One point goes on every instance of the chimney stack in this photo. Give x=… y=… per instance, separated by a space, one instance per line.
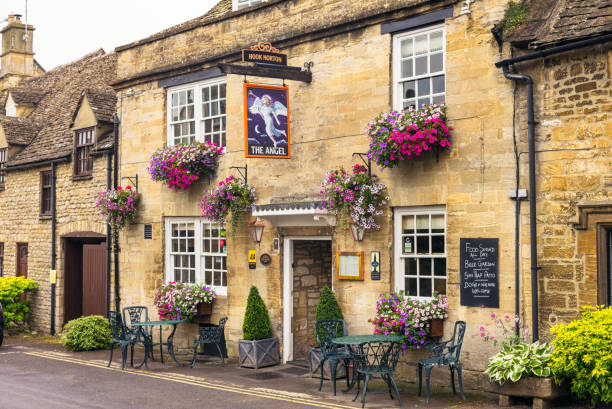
x=17 y=57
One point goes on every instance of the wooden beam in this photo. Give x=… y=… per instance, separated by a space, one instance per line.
x=287 y=73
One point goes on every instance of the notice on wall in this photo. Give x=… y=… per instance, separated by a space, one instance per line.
x=479 y=271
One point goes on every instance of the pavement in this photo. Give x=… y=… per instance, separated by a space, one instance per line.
x=40 y=374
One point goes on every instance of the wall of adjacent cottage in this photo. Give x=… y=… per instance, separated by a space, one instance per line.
x=351 y=84
x=20 y=222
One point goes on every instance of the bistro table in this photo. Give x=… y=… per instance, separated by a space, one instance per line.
x=169 y=342
x=350 y=341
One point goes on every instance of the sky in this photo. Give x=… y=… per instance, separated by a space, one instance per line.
x=65 y=30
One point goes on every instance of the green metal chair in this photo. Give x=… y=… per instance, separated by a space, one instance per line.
x=135 y=314
x=326 y=330
x=444 y=353
x=376 y=358
x=121 y=337
x=210 y=335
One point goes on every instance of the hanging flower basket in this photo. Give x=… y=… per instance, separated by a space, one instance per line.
x=181 y=301
x=181 y=165
x=230 y=196
x=396 y=136
x=359 y=197
x=118 y=206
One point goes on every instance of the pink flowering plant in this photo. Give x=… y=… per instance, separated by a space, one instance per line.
x=118 y=206
x=399 y=135
x=409 y=317
x=503 y=330
x=179 y=301
x=358 y=196
x=230 y=196
x=181 y=165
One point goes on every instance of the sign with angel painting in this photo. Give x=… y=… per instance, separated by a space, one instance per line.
x=266 y=121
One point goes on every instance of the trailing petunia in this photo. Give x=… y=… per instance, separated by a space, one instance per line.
x=179 y=301
x=181 y=165
x=118 y=206
x=401 y=135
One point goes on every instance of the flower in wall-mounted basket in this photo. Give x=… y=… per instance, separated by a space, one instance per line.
x=357 y=196
x=402 y=135
x=118 y=206
x=179 y=301
x=181 y=165
x=230 y=196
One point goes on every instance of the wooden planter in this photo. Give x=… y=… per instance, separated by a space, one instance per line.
x=436 y=328
x=542 y=390
x=259 y=353
x=315 y=356
x=205 y=308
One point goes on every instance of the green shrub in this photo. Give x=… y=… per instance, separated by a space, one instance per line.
x=87 y=333
x=583 y=355
x=328 y=308
x=16 y=310
x=256 y=323
x=519 y=360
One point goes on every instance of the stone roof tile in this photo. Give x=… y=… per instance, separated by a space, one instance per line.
x=26 y=95
x=19 y=131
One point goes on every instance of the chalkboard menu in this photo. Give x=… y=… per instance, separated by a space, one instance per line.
x=479 y=272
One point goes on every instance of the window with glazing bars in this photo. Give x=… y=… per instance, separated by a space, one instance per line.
x=83 y=162
x=45 y=192
x=2 y=167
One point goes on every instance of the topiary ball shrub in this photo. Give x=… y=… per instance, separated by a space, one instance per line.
x=328 y=308
x=87 y=334
x=256 y=323
x=582 y=355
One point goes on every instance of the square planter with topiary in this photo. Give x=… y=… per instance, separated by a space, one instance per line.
x=259 y=348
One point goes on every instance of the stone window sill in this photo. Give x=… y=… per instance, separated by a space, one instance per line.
x=82 y=177
x=45 y=217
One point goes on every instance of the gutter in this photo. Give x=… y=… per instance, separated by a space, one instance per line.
x=39 y=164
x=505 y=65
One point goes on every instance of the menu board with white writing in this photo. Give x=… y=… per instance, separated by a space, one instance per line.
x=479 y=272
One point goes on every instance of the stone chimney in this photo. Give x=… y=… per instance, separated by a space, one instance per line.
x=17 y=57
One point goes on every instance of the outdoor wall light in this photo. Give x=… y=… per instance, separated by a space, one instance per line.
x=256 y=228
x=357 y=231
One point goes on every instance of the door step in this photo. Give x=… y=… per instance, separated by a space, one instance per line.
x=302 y=363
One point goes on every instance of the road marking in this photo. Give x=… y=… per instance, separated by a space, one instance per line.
x=189 y=380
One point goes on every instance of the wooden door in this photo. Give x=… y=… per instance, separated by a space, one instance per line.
x=22 y=259
x=94 y=279
x=73 y=279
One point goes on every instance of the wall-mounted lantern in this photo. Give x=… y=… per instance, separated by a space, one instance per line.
x=357 y=231
x=256 y=228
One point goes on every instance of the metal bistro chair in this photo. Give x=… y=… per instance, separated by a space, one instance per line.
x=445 y=353
x=139 y=314
x=210 y=335
x=376 y=358
x=121 y=337
x=327 y=330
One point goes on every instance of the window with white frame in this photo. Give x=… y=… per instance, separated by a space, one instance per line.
x=420 y=251
x=240 y=4
x=196 y=252
x=419 y=68
x=196 y=112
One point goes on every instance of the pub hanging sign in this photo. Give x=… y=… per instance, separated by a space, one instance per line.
x=264 y=53
x=266 y=121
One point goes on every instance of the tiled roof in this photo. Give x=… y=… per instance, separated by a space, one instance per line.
x=102 y=102
x=65 y=86
x=26 y=95
x=105 y=142
x=553 y=22
x=19 y=131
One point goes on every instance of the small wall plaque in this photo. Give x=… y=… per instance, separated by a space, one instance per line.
x=265 y=259
x=252 y=259
x=349 y=265
x=375 y=263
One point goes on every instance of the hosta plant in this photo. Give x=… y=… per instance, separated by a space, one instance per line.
x=516 y=361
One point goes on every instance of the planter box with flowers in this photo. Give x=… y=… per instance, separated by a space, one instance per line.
x=181 y=301
x=230 y=196
x=118 y=207
x=181 y=165
x=403 y=135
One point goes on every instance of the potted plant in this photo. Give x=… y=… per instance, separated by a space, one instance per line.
x=118 y=206
x=180 y=301
x=403 y=135
x=259 y=348
x=230 y=196
x=327 y=308
x=181 y=165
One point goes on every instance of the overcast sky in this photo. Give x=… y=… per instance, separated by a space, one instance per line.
x=69 y=29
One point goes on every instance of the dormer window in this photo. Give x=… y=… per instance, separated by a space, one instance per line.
x=83 y=162
x=240 y=4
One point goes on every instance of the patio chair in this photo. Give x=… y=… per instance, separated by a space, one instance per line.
x=445 y=353
x=121 y=337
x=326 y=330
x=210 y=335
x=376 y=358
x=139 y=314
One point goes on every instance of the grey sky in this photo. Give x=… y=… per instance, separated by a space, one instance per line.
x=69 y=29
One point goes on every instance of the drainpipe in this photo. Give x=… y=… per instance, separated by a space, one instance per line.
x=53 y=254
x=115 y=184
x=109 y=186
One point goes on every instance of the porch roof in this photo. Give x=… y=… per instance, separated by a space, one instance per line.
x=295 y=214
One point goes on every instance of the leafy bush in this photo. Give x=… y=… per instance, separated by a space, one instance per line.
x=16 y=307
x=583 y=355
x=87 y=333
x=519 y=360
x=328 y=308
x=256 y=323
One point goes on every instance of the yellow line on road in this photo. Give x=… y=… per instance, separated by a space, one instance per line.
x=194 y=382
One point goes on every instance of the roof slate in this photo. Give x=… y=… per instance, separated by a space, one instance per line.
x=65 y=86
x=103 y=102
x=19 y=131
x=26 y=95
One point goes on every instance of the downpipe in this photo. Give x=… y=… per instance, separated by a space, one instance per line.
x=115 y=184
x=53 y=244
